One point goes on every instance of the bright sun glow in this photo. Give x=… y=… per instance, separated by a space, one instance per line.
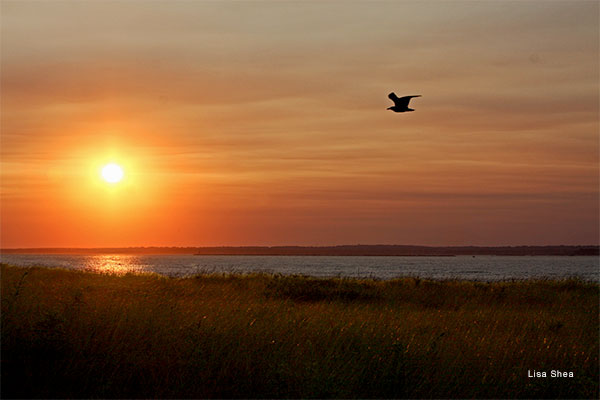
x=112 y=173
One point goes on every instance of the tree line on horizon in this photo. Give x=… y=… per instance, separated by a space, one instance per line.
x=341 y=250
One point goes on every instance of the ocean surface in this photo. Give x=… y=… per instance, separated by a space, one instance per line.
x=480 y=268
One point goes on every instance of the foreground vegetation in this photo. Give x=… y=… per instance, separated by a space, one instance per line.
x=74 y=334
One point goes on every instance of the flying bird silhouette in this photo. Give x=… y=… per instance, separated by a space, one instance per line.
x=400 y=103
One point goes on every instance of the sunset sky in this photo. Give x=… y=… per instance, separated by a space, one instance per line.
x=265 y=123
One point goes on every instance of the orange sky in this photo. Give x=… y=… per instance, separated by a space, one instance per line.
x=265 y=123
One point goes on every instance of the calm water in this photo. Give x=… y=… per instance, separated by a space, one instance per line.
x=483 y=268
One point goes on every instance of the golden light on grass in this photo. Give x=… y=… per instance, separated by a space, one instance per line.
x=282 y=336
x=112 y=173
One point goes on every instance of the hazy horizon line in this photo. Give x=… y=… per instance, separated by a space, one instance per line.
x=293 y=245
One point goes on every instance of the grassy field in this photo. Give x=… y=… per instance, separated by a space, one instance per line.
x=74 y=334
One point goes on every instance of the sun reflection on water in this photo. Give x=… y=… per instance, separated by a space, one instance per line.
x=115 y=264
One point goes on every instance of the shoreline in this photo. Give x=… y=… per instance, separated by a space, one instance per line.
x=275 y=275
x=329 y=251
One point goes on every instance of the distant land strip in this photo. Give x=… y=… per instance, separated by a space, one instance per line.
x=343 y=250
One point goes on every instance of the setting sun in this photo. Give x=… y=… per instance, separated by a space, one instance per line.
x=112 y=173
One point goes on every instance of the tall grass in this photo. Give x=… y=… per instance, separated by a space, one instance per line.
x=74 y=334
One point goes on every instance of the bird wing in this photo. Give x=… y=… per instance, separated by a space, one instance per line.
x=394 y=98
x=403 y=101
